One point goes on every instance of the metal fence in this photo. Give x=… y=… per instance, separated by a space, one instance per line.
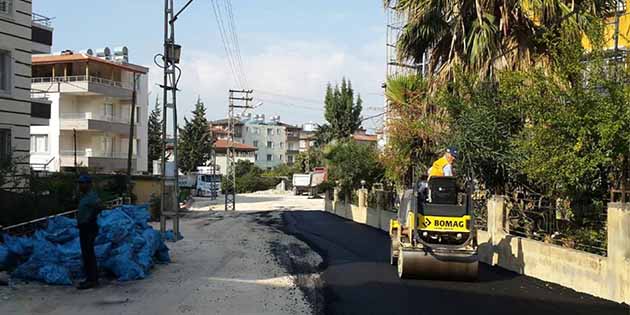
x=581 y=227
x=480 y=208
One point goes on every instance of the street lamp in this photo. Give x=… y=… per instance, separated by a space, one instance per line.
x=173 y=53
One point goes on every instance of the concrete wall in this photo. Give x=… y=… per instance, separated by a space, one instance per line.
x=361 y=213
x=605 y=277
x=144 y=187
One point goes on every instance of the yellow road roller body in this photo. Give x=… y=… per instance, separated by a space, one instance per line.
x=433 y=236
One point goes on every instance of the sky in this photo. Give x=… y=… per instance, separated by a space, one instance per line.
x=290 y=49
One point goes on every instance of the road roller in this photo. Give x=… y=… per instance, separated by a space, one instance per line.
x=433 y=236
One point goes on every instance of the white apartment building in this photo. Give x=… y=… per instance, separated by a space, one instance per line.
x=243 y=152
x=92 y=97
x=22 y=34
x=268 y=137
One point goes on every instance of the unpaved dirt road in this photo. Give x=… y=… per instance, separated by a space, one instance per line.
x=227 y=263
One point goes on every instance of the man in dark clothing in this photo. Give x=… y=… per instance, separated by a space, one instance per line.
x=89 y=208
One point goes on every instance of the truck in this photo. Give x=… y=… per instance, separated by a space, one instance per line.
x=206 y=182
x=309 y=182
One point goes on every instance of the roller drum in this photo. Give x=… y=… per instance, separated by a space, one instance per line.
x=414 y=264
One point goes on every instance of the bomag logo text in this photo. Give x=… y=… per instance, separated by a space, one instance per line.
x=448 y=224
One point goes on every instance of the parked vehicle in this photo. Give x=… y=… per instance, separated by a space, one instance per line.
x=309 y=182
x=204 y=183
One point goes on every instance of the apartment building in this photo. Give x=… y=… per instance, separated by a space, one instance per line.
x=293 y=143
x=243 y=152
x=22 y=33
x=269 y=137
x=307 y=136
x=92 y=98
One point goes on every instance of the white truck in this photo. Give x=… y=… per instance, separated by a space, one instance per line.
x=205 y=182
x=308 y=182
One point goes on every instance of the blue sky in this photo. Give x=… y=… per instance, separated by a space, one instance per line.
x=290 y=49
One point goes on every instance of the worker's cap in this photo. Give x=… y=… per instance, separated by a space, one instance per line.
x=84 y=179
x=453 y=151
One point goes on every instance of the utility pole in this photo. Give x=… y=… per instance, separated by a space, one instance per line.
x=169 y=204
x=243 y=97
x=132 y=120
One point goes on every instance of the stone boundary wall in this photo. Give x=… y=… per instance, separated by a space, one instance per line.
x=605 y=277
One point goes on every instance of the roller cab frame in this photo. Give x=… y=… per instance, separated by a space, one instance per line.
x=434 y=236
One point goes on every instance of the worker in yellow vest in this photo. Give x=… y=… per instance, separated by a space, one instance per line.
x=444 y=165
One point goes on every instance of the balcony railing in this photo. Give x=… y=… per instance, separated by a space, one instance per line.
x=42 y=20
x=80 y=78
x=96 y=154
x=93 y=116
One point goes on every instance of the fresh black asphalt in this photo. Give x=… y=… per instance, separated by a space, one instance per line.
x=357 y=279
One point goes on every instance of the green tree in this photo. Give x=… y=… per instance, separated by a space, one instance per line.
x=343 y=113
x=350 y=162
x=249 y=178
x=195 y=140
x=416 y=129
x=155 y=134
x=486 y=36
x=306 y=161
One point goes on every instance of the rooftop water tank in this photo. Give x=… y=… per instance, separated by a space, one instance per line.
x=105 y=53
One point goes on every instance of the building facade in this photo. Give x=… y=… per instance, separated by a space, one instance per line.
x=22 y=34
x=268 y=137
x=244 y=152
x=92 y=98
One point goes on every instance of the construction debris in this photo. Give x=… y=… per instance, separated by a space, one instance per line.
x=126 y=247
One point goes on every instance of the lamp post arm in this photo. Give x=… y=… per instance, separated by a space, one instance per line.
x=180 y=11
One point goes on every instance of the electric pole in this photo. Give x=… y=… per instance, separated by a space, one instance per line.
x=243 y=97
x=169 y=201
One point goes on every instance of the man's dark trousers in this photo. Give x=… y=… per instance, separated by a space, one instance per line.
x=87 y=235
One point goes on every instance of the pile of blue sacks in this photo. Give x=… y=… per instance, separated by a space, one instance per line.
x=126 y=247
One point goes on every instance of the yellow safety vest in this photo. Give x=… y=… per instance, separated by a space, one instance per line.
x=438 y=167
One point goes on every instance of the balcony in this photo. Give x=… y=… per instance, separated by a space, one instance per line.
x=41 y=34
x=110 y=161
x=83 y=85
x=95 y=122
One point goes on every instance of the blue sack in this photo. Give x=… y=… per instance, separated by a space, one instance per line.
x=18 y=246
x=61 y=229
x=115 y=225
x=139 y=214
x=54 y=274
x=5 y=257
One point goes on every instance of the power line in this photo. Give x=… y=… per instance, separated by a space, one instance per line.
x=304 y=100
x=226 y=43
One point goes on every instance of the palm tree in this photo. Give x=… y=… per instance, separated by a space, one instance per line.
x=484 y=36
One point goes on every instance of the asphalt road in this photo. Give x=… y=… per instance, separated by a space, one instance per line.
x=358 y=279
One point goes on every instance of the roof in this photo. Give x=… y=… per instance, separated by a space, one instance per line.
x=225 y=122
x=55 y=59
x=370 y=138
x=222 y=145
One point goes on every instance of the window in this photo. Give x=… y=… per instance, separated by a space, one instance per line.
x=256 y=143
x=39 y=144
x=279 y=131
x=108 y=111
x=5 y=6
x=137 y=114
x=5 y=144
x=290 y=159
x=269 y=157
x=255 y=157
x=5 y=71
x=269 y=145
x=291 y=146
x=269 y=131
x=281 y=157
x=281 y=145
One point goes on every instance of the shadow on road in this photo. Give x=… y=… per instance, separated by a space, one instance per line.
x=359 y=280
